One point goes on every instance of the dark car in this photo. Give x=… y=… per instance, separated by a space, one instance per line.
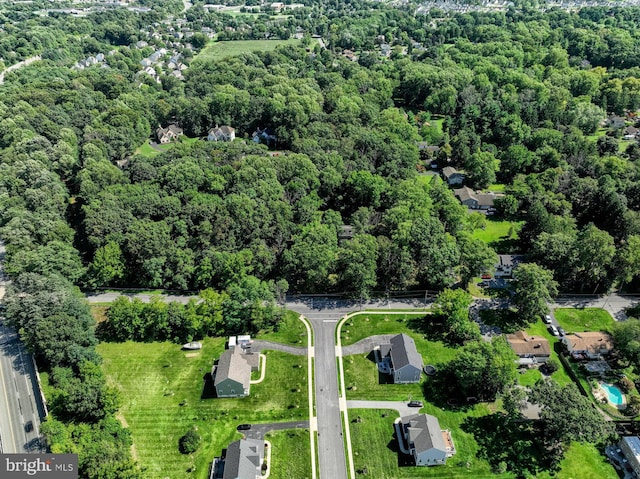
x=415 y=403
x=28 y=426
x=561 y=331
x=244 y=427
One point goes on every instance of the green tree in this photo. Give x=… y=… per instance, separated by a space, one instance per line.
x=567 y=415
x=533 y=289
x=483 y=369
x=190 y=442
x=108 y=267
x=626 y=335
x=452 y=306
x=481 y=169
x=358 y=263
x=476 y=258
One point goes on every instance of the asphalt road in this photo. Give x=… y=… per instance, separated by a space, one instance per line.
x=19 y=399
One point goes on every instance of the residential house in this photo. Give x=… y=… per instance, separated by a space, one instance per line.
x=589 y=345
x=232 y=374
x=529 y=349
x=222 y=133
x=452 y=176
x=614 y=122
x=263 y=136
x=428 y=444
x=630 y=133
x=244 y=459
x=475 y=200
x=630 y=446
x=169 y=134
x=507 y=263
x=405 y=363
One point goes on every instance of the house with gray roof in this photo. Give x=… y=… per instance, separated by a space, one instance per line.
x=222 y=133
x=232 y=374
x=453 y=176
x=426 y=442
x=475 y=200
x=244 y=459
x=403 y=358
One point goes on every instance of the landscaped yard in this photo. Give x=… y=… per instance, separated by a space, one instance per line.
x=361 y=373
x=587 y=319
x=498 y=231
x=289 y=455
x=164 y=394
x=291 y=330
x=219 y=50
x=560 y=376
x=376 y=449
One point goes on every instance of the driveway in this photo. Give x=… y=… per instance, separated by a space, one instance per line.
x=400 y=406
x=259 y=345
x=366 y=345
x=258 y=431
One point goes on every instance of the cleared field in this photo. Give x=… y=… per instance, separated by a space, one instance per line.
x=496 y=231
x=219 y=50
x=587 y=319
x=287 y=458
x=164 y=394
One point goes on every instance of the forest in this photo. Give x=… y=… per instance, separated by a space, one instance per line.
x=517 y=99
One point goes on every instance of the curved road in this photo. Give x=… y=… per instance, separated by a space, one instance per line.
x=21 y=64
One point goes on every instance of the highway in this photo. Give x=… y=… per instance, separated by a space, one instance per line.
x=20 y=400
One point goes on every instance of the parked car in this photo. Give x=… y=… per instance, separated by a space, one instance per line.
x=243 y=427
x=547 y=319
x=415 y=404
x=561 y=331
x=553 y=330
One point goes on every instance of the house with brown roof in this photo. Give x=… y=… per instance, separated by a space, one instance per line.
x=589 y=344
x=425 y=441
x=232 y=374
x=529 y=349
x=169 y=134
x=221 y=133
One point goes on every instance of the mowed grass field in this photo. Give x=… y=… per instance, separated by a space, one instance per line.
x=288 y=458
x=588 y=319
x=163 y=395
x=497 y=231
x=219 y=50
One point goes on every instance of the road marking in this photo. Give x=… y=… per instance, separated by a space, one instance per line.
x=330 y=320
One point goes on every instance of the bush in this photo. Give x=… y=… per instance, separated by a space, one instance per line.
x=551 y=366
x=626 y=385
x=190 y=442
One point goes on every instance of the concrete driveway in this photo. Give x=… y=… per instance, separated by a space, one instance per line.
x=258 y=431
x=400 y=406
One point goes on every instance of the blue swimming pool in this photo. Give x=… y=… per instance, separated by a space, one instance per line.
x=614 y=395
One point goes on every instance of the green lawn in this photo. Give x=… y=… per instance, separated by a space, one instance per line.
x=375 y=447
x=290 y=331
x=360 y=372
x=498 y=231
x=219 y=50
x=148 y=151
x=583 y=461
x=587 y=319
x=288 y=460
x=163 y=395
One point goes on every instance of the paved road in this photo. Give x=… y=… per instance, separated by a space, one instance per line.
x=614 y=303
x=145 y=298
x=20 y=401
x=258 y=431
x=21 y=64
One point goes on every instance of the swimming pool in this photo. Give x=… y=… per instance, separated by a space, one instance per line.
x=614 y=395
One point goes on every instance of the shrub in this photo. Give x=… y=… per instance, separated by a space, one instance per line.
x=626 y=385
x=190 y=442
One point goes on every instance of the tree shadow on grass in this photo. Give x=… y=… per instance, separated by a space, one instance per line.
x=441 y=391
x=509 y=445
x=431 y=327
x=506 y=319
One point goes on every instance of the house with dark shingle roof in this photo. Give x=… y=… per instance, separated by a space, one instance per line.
x=590 y=344
x=244 y=459
x=453 y=176
x=428 y=444
x=232 y=374
x=404 y=360
x=475 y=200
x=529 y=349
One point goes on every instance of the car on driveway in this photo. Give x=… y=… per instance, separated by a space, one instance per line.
x=243 y=427
x=561 y=331
x=553 y=330
x=547 y=319
x=415 y=404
